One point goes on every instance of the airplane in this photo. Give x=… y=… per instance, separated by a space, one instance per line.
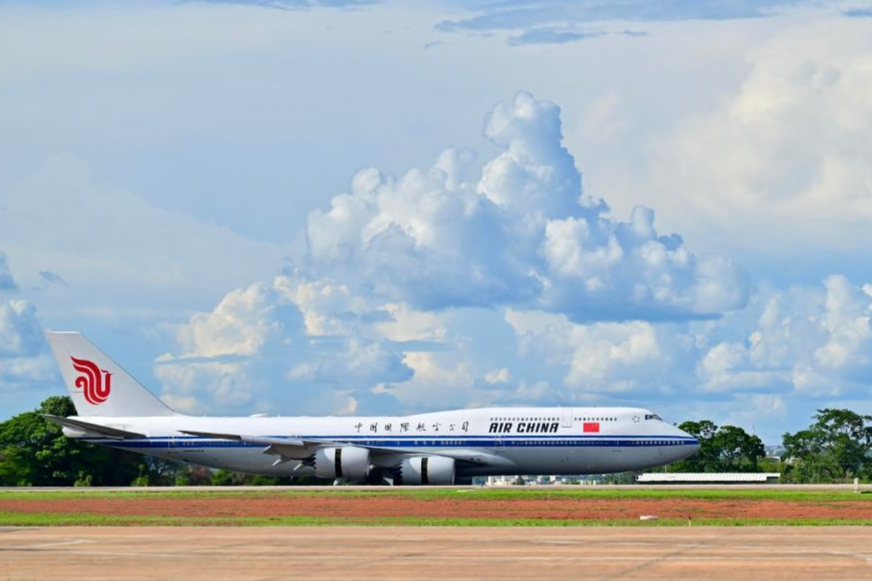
x=439 y=448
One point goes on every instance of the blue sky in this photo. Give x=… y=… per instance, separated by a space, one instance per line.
x=390 y=207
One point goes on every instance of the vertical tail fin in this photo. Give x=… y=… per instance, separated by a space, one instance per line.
x=98 y=385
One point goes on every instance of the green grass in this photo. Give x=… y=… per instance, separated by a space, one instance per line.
x=425 y=494
x=809 y=497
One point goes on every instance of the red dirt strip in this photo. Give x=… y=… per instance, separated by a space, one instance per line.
x=400 y=506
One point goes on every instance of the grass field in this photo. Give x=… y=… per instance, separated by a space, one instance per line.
x=436 y=507
x=424 y=493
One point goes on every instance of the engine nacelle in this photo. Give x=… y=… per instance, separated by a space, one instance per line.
x=346 y=462
x=436 y=470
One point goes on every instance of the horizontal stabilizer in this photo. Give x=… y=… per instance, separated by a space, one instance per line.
x=104 y=431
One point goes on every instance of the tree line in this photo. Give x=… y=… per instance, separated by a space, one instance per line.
x=34 y=452
x=836 y=447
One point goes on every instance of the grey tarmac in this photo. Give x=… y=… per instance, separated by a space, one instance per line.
x=428 y=553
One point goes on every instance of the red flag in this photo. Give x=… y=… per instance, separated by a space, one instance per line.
x=591 y=426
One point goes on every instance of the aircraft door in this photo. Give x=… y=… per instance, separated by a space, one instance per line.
x=566 y=417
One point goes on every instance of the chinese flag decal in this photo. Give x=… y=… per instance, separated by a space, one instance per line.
x=591 y=426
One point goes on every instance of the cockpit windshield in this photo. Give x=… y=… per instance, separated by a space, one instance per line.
x=653 y=417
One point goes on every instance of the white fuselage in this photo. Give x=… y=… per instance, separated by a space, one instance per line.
x=488 y=441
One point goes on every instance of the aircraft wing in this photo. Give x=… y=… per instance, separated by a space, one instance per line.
x=285 y=448
x=104 y=431
x=300 y=449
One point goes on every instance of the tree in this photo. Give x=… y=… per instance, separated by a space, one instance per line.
x=706 y=457
x=737 y=450
x=34 y=452
x=721 y=449
x=836 y=446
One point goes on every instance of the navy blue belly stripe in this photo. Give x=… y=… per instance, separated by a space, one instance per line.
x=194 y=442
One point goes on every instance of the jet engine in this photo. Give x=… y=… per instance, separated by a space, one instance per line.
x=346 y=462
x=436 y=470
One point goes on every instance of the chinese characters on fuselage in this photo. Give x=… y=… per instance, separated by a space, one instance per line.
x=390 y=428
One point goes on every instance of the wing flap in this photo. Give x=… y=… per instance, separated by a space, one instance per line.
x=251 y=439
x=285 y=448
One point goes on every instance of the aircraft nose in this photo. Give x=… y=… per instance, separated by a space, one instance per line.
x=691 y=446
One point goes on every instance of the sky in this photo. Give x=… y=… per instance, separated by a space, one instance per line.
x=305 y=207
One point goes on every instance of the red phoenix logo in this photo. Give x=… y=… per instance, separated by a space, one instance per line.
x=94 y=384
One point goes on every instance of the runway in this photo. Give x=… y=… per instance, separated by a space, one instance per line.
x=431 y=553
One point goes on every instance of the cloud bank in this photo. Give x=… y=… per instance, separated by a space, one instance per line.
x=788 y=153
x=378 y=306
x=520 y=232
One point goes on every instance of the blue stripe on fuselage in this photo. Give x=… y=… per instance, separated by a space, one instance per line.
x=192 y=442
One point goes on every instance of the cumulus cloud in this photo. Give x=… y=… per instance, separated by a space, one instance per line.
x=293 y=332
x=593 y=358
x=521 y=232
x=24 y=360
x=403 y=280
x=790 y=152
x=20 y=333
x=502 y=283
x=805 y=344
x=807 y=341
x=25 y=364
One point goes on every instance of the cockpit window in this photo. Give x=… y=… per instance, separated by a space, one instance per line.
x=653 y=417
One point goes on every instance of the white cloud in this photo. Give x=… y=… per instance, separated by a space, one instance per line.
x=20 y=332
x=291 y=341
x=202 y=386
x=407 y=324
x=388 y=290
x=496 y=376
x=802 y=343
x=439 y=381
x=598 y=357
x=24 y=360
x=789 y=152
x=522 y=235
x=534 y=177
x=812 y=342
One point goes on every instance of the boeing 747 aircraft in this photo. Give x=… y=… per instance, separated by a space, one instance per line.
x=434 y=448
